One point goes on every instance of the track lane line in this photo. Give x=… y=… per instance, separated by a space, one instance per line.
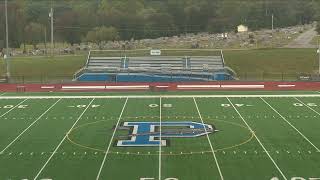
x=29 y=126
x=291 y=125
x=212 y=150
x=110 y=142
x=13 y=108
x=273 y=161
x=56 y=149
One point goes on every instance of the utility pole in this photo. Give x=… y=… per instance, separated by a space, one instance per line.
x=266 y=7
x=45 y=40
x=272 y=21
x=51 y=16
x=318 y=51
x=6 y=56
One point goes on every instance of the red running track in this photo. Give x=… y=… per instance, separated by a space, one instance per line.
x=190 y=86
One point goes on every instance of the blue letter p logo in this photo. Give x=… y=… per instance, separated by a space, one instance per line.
x=147 y=133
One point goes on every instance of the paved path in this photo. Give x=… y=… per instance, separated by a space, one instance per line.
x=304 y=40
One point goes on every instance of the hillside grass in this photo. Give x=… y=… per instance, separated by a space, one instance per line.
x=41 y=69
x=273 y=64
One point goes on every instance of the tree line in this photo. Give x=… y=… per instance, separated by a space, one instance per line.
x=78 y=21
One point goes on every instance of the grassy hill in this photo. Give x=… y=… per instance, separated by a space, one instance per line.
x=272 y=63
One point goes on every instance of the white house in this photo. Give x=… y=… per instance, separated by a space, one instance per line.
x=242 y=28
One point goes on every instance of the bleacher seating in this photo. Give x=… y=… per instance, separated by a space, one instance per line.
x=104 y=62
x=156 y=63
x=98 y=67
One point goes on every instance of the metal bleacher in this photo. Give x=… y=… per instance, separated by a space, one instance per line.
x=104 y=62
x=156 y=63
x=200 y=66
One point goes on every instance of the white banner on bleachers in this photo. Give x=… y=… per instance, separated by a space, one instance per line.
x=155 y=52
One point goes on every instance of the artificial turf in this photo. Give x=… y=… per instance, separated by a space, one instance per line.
x=259 y=138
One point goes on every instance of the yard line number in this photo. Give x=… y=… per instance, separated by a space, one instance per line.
x=237 y=105
x=297 y=178
x=163 y=105
x=84 y=106
x=308 y=104
x=155 y=179
x=12 y=106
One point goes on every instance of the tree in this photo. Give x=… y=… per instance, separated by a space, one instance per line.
x=141 y=19
x=67 y=27
x=34 y=33
x=102 y=34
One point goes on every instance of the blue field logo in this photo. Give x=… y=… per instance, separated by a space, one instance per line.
x=147 y=134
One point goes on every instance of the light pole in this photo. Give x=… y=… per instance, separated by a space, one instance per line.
x=6 y=56
x=51 y=21
x=318 y=51
x=272 y=21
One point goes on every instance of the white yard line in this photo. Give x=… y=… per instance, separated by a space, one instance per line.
x=29 y=127
x=13 y=108
x=212 y=150
x=160 y=146
x=56 y=149
x=157 y=96
x=111 y=140
x=307 y=106
x=291 y=124
x=275 y=164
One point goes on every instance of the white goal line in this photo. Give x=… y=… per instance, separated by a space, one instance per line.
x=158 y=96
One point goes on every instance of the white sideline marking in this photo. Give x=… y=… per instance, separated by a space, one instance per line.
x=83 y=87
x=13 y=108
x=127 y=87
x=110 y=142
x=197 y=86
x=275 y=164
x=47 y=87
x=291 y=125
x=160 y=145
x=104 y=87
x=212 y=150
x=29 y=127
x=156 y=96
x=243 y=86
x=286 y=85
x=220 y=86
x=56 y=149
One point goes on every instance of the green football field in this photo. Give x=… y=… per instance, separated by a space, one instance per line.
x=262 y=136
